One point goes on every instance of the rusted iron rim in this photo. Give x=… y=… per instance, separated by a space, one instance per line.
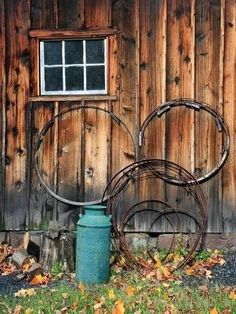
x=40 y=138
x=158 y=168
x=196 y=105
x=170 y=211
x=149 y=169
x=128 y=215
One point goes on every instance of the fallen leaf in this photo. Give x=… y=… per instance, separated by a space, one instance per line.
x=37 y=280
x=28 y=311
x=158 y=262
x=25 y=293
x=119 y=307
x=18 y=309
x=74 y=306
x=232 y=295
x=213 y=311
x=65 y=295
x=81 y=287
x=221 y=261
x=165 y=272
x=3 y=252
x=203 y=289
x=130 y=291
x=111 y=294
x=159 y=275
x=97 y=306
x=208 y=273
x=189 y=271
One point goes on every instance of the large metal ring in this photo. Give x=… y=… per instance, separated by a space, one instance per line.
x=40 y=138
x=196 y=105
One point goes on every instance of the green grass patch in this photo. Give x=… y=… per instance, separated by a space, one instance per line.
x=127 y=291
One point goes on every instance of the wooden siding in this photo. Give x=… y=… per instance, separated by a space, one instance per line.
x=160 y=50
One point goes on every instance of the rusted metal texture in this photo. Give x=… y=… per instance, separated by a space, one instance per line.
x=121 y=205
x=197 y=106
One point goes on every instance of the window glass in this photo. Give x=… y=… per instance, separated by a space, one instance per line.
x=74 y=78
x=95 y=51
x=95 y=78
x=74 y=52
x=73 y=66
x=52 y=52
x=53 y=79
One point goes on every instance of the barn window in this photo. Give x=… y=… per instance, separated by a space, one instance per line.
x=73 y=66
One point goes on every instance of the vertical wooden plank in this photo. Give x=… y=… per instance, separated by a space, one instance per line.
x=207 y=139
x=43 y=208
x=180 y=84
x=42 y=14
x=152 y=84
x=152 y=60
x=70 y=150
x=124 y=18
x=71 y=14
x=97 y=13
x=97 y=147
x=2 y=111
x=113 y=65
x=229 y=170
x=17 y=84
x=179 y=122
x=180 y=81
x=42 y=205
x=152 y=89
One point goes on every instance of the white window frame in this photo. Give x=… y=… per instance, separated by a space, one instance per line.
x=63 y=65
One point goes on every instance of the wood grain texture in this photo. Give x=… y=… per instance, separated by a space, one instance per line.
x=124 y=19
x=97 y=13
x=42 y=14
x=152 y=85
x=17 y=90
x=229 y=170
x=71 y=15
x=43 y=208
x=2 y=111
x=180 y=81
x=96 y=151
x=70 y=173
x=207 y=89
x=179 y=122
x=42 y=205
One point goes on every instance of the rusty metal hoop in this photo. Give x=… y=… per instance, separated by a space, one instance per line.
x=168 y=172
x=40 y=138
x=164 y=213
x=165 y=170
x=196 y=105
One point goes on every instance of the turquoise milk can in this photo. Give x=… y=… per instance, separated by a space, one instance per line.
x=93 y=245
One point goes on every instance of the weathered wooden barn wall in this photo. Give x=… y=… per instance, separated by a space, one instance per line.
x=163 y=49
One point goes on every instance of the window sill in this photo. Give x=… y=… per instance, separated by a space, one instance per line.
x=72 y=98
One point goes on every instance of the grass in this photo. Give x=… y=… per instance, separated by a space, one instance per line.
x=126 y=292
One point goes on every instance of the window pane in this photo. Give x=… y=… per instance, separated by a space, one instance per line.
x=52 y=52
x=74 y=78
x=74 y=52
x=53 y=79
x=95 y=51
x=95 y=77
